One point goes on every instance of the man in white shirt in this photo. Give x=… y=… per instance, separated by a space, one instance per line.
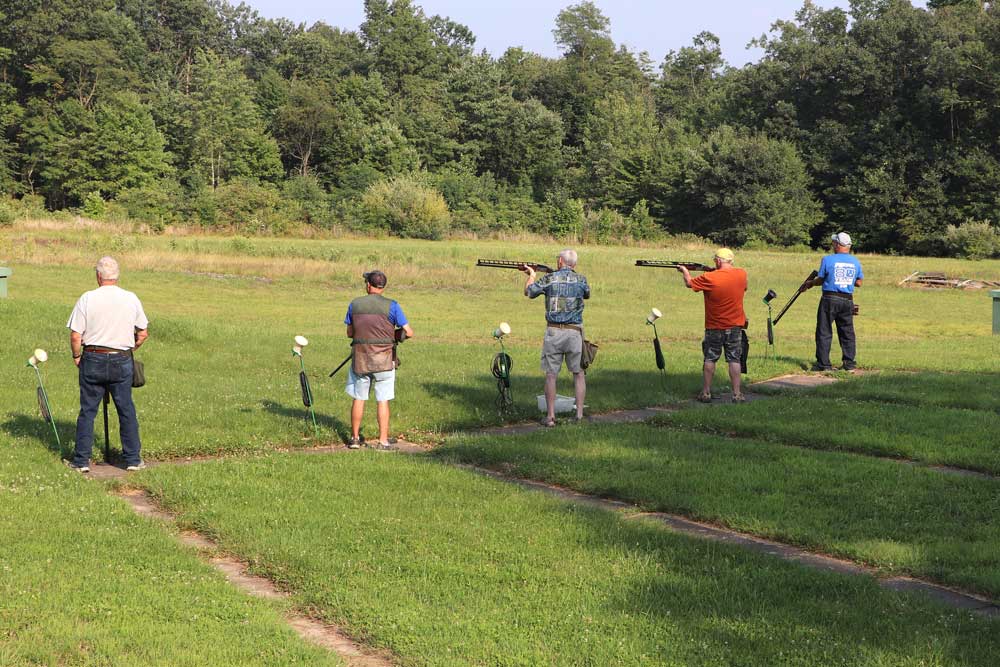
x=106 y=325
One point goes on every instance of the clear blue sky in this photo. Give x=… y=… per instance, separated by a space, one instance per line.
x=655 y=26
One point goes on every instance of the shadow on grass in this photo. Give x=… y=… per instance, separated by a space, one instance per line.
x=302 y=415
x=749 y=610
x=972 y=391
x=607 y=390
x=36 y=428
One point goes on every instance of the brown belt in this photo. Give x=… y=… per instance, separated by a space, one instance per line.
x=574 y=327
x=103 y=350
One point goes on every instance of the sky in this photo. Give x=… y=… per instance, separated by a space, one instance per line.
x=654 y=26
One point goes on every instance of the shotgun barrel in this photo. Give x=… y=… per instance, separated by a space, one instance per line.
x=794 y=297
x=669 y=264
x=510 y=264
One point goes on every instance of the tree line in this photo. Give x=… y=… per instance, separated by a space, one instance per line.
x=883 y=119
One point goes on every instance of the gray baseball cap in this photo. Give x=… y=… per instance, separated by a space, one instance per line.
x=843 y=238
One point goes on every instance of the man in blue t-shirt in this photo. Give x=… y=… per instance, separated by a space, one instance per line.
x=839 y=274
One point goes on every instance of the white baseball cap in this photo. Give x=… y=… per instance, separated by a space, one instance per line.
x=843 y=238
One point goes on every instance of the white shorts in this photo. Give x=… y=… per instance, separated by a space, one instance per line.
x=359 y=386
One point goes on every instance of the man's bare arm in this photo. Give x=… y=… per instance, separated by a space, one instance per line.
x=76 y=346
x=686 y=275
x=140 y=337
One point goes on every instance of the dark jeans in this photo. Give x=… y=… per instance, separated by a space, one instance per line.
x=835 y=309
x=111 y=372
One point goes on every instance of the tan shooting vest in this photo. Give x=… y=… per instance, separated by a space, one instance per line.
x=373 y=340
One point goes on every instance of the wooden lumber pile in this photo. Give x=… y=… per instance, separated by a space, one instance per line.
x=932 y=279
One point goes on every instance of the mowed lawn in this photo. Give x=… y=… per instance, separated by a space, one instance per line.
x=86 y=582
x=445 y=567
x=928 y=418
x=223 y=313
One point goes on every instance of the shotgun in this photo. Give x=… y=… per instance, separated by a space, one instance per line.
x=509 y=264
x=794 y=297
x=668 y=264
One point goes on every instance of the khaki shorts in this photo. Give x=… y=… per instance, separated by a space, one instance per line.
x=561 y=344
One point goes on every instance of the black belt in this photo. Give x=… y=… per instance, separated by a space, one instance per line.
x=103 y=350
x=574 y=327
x=839 y=295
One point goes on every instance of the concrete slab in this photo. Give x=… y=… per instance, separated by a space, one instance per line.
x=797 y=381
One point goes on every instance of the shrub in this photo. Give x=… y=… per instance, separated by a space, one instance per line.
x=156 y=204
x=407 y=207
x=564 y=218
x=7 y=213
x=641 y=223
x=972 y=240
x=250 y=207
x=310 y=200
x=30 y=206
x=604 y=226
x=93 y=205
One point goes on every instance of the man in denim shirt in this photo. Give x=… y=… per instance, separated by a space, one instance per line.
x=565 y=291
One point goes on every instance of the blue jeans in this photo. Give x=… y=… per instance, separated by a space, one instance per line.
x=112 y=373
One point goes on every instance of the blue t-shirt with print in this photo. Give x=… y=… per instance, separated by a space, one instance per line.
x=396 y=316
x=839 y=271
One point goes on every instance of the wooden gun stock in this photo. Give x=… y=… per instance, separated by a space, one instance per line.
x=794 y=297
x=667 y=264
x=509 y=264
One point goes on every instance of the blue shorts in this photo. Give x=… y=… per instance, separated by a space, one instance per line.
x=359 y=386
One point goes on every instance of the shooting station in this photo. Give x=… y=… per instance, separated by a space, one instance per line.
x=768 y=298
x=661 y=364
x=501 y=367
x=40 y=356
x=307 y=396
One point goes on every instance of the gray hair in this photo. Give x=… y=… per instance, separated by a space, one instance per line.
x=568 y=256
x=107 y=268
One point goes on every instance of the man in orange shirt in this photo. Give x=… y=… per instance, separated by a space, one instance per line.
x=725 y=319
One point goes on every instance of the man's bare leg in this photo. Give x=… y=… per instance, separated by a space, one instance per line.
x=357 y=412
x=550 y=395
x=383 y=421
x=735 y=377
x=708 y=373
x=580 y=386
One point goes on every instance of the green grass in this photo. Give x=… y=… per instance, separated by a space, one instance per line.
x=223 y=313
x=971 y=390
x=929 y=434
x=85 y=582
x=448 y=568
x=897 y=518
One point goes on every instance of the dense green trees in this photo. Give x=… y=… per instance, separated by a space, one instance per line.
x=884 y=120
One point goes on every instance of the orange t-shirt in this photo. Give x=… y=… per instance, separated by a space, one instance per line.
x=724 y=290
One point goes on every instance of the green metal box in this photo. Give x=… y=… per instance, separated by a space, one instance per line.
x=996 y=310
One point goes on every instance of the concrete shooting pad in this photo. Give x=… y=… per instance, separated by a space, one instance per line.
x=797 y=381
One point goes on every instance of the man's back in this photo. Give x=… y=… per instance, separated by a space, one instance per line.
x=724 y=290
x=108 y=316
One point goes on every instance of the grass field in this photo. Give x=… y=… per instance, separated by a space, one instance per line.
x=86 y=582
x=443 y=567
x=223 y=313
x=448 y=568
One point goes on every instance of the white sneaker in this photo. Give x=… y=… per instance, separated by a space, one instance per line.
x=80 y=469
x=141 y=465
